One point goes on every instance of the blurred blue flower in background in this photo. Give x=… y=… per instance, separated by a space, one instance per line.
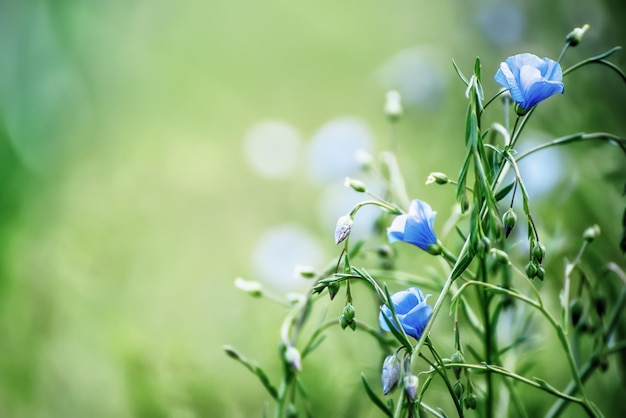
x=411 y=309
x=530 y=79
x=416 y=227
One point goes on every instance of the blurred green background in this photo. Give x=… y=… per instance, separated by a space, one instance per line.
x=136 y=181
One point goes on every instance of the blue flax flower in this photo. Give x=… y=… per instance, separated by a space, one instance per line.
x=530 y=79
x=415 y=227
x=411 y=309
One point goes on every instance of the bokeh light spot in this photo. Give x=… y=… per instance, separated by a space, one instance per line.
x=272 y=147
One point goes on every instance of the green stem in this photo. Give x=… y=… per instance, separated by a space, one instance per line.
x=507 y=373
x=578 y=137
x=486 y=299
x=441 y=299
x=441 y=371
x=559 y=330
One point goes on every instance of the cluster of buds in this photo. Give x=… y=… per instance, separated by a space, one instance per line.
x=391 y=374
x=347 y=317
x=534 y=267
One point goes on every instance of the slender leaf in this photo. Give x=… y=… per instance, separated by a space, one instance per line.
x=374 y=397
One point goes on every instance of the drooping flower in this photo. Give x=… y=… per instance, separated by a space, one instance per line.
x=530 y=79
x=415 y=227
x=411 y=309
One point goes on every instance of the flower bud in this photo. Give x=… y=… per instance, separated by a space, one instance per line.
x=500 y=256
x=254 y=289
x=410 y=386
x=384 y=251
x=364 y=159
x=291 y=411
x=540 y=273
x=457 y=358
x=591 y=233
x=576 y=310
x=482 y=246
x=292 y=357
x=393 y=105
x=390 y=374
x=347 y=317
x=356 y=185
x=538 y=252
x=305 y=272
x=575 y=36
x=531 y=269
x=509 y=219
x=342 y=229
x=333 y=289
x=470 y=401
x=436 y=177
x=458 y=389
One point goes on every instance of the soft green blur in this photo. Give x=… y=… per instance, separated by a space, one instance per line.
x=127 y=207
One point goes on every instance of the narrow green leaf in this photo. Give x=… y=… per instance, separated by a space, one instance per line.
x=316 y=342
x=266 y=382
x=463 y=264
x=459 y=73
x=234 y=354
x=377 y=401
x=501 y=194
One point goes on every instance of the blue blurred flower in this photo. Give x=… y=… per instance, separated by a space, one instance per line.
x=411 y=309
x=416 y=227
x=530 y=79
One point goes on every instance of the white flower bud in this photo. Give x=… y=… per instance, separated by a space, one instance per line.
x=343 y=228
x=393 y=105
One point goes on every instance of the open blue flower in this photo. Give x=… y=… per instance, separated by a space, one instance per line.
x=411 y=309
x=530 y=79
x=415 y=227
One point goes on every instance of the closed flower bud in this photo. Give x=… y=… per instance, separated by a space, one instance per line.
x=500 y=256
x=356 y=185
x=254 y=289
x=470 y=401
x=482 y=246
x=539 y=252
x=333 y=288
x=575 y=36
x=457 y=358
x=540 y=273
x=531 y=270
x=384 y=251
x=342 y=229
x=458 y=389
x=576 y=310
x=305 y=272
x=291 y=411
x=347 y=317
x=390 y=374
x=436 y=177
x=509 y=219
x=292 y=357
x=410 y=386
x=393 y=105
x=591 y=233
x=364 y=159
